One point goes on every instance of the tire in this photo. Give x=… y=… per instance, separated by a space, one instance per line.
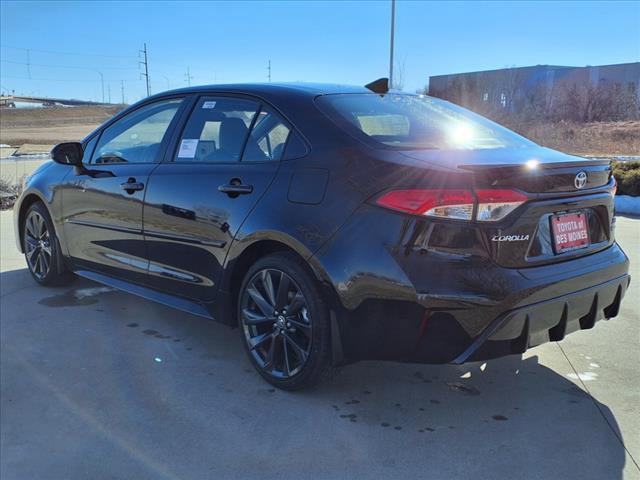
x=42 y=248
x=290 y=349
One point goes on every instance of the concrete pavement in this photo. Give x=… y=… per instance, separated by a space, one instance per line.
x=100 y=384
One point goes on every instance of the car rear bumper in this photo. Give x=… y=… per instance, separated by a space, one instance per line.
x=404 y=302
x=464 y=330
x=517 y=330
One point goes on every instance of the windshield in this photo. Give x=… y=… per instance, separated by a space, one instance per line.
x=409 y=121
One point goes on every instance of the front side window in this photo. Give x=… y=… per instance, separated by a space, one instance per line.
x=136 y=138
x=405 y=121
x=217 y=131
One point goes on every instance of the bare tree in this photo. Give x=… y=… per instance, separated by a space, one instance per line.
x=398 y=76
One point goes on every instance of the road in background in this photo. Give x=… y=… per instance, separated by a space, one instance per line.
x=99 y=384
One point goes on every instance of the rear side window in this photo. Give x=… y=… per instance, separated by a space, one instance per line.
x=218 y=130
x=270 y=135
x=136 y=138
x=406 y=121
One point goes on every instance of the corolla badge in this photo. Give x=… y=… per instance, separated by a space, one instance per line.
x=581 y=180
x=509 y=238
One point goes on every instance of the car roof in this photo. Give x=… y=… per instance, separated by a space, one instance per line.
x=271 y=89
x=298 y=87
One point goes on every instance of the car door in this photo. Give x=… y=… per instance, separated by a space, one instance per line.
x=102 y=204
x=198 y=198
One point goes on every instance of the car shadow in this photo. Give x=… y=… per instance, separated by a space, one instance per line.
x=513 y=417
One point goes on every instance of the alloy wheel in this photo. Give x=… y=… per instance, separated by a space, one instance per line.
x=276 y=323
x=37 y=242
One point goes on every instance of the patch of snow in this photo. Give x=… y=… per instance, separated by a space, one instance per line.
x=585 y=377
x=628 y=204
x=594 y=365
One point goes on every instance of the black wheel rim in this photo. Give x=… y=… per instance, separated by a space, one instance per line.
x=37 y=243
x=276 y=323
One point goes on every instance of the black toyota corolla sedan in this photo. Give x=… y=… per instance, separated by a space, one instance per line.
x=332 y=224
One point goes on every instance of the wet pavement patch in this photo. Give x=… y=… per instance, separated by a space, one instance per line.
x=150 y=332
x=75 y=298
x=463 y=389
x=351 y=417
x=435 y=402
x=500 y=418
x=352 y=402
x=132 y=325
x=385 y=424
x=67 y=300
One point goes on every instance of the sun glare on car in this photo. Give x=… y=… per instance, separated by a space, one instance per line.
x=461 y=133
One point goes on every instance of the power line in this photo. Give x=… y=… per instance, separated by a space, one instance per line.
x=61 y=79
x=188 y=76
x=64 y=66
x=67 y=53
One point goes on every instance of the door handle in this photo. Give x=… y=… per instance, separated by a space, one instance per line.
x=131 y=185
x=235 y=187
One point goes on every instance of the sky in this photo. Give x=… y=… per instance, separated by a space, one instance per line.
x=66 y=49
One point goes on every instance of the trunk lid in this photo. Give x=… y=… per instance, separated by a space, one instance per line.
x=556 y=184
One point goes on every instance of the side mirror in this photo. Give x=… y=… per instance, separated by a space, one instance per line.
x=69 y=153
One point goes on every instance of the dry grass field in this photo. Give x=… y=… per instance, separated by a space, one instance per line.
x=597 y=139
x=48 y=126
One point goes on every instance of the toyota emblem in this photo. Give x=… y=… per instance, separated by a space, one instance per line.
x=581 y=180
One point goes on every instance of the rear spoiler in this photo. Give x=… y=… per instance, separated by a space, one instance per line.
x=380 y=86
x=587 y=162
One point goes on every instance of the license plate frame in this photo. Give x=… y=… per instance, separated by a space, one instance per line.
x=568 y=236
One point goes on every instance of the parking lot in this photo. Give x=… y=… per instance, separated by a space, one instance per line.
x=99 y=384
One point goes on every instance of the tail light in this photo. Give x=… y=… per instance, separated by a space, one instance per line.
x=490 y=205
x=456 y=204
x=496 y=204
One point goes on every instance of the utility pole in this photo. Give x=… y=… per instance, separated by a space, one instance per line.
x=109 y=90
x=269 y=71
x=393 y=22
x=188 y=76
x=146 y=67
x=102 y=83
x=28 y=63
x=122 y=88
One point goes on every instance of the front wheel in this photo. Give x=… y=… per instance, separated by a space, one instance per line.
x=41 y=248
x=284 y=322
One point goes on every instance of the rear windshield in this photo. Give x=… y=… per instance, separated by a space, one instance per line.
x=406 y=121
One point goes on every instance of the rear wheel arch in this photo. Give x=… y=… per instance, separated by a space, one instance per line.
x=260 y=249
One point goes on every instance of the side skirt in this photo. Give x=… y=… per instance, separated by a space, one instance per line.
x=148 y=293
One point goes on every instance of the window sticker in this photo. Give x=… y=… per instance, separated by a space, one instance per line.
x=209 y=105
x=188 y=148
